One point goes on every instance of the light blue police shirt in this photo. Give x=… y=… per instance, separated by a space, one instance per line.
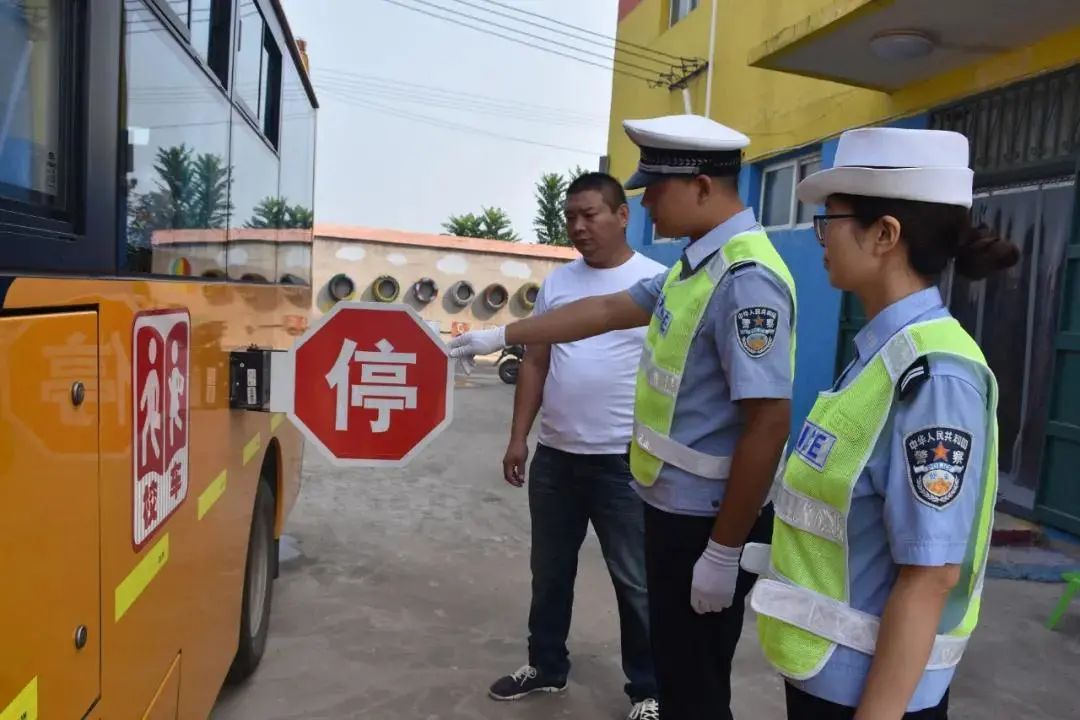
x=890 y=523
x=720 y=370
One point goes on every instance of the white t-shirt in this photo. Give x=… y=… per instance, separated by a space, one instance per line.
x=588 y=405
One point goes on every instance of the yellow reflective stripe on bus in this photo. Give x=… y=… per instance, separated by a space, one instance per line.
x=24 y=706
x=252 y=448
x=275 y=421
x=212 y=493
x=136 y=582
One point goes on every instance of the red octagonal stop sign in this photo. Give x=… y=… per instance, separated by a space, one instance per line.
x=371 y=384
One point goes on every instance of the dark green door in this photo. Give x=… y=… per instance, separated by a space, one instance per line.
x=1058 y=499
x=852 y=319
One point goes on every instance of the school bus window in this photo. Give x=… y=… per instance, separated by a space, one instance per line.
x=177 y=129
x=249 y=44
x=209 y=23
x=32 y=64
x=297 y=180
x=258 y=71
x=258 y=212
x=271 y=84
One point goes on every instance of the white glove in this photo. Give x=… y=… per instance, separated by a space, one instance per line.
x=715 y=575
x=478 y=342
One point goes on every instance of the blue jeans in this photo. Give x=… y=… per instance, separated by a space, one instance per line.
x=566 y=492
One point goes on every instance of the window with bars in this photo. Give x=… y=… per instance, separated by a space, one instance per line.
x=1027 y=126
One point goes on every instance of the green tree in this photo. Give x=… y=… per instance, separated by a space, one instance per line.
x=496 y=224
x=269 y=213
x=299 y=216
x=275 y=212
x=550 y=221
x=210 y=204
x=492 y=223
x=466 y=225
x=191 y=191
x=176 y=181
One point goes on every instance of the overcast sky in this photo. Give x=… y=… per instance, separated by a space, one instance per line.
x=380 y=164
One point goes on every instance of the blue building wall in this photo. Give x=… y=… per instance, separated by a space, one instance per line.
x=818 y=302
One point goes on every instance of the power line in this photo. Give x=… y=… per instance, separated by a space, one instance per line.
x=584 y=30
x=461 y=101
x=462 y=105
x=391 y=82
x=521 y=42
x=181 y=95
x=519 y=31
x=610 y=42
x=449 y=125
x=451 y=105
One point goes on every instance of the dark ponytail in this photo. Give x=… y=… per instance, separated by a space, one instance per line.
x=980 y=252
x=935 y=233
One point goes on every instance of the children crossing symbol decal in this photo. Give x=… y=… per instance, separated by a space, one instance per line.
x=160 y=372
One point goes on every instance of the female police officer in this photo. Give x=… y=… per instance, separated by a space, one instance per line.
x=883 y=516
x=711 y=410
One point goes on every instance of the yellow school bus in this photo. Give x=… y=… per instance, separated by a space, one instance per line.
x=156 y=196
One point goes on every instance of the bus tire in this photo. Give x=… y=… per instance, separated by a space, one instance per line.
x=258 y=587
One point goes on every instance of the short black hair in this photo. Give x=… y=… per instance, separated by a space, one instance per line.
x=606 y=185
x=731 y=182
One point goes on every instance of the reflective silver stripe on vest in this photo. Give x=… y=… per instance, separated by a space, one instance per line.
x=678 y=455
x=813 y=516
x=660 y=380
x=835 y=621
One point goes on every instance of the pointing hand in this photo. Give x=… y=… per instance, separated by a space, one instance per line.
x=478 y=342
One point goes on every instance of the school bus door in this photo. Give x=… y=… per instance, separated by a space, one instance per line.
x=50 y=609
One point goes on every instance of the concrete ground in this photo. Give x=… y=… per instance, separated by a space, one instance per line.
x=411 y=595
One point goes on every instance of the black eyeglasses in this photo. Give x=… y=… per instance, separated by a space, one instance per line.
x=822 y=221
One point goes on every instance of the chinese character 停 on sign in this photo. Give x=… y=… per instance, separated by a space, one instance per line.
x=382 y=383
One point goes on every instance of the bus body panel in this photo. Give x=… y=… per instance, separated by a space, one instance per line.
x=49 y=518
x=181 y=592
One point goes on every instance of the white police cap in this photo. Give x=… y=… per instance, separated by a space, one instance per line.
x=683 y=145
x=899 y=163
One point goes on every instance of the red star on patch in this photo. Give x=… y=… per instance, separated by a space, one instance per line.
x=759 y=321
x=940 y=453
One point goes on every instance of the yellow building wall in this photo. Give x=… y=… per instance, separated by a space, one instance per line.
x=780 y=111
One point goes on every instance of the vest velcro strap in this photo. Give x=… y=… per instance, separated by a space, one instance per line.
x=659 y=379
x=756 y=558
x=899 y=353
x=678 y=455
x=812 y=516
x=838 y=623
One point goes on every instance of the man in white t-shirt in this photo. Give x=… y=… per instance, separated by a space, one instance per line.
x=584 y=392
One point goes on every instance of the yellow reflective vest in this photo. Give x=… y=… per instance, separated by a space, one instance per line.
x=674 y=325
x=802 y=604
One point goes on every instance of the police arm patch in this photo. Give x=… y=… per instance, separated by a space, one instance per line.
x=937 y=459
x=756 y=329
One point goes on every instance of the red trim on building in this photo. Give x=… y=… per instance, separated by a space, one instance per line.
x=626 y=6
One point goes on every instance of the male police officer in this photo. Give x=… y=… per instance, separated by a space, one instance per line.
x=712 y=406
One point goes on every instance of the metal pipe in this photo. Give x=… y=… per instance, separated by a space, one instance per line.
x=712 y=60
x=686 y=101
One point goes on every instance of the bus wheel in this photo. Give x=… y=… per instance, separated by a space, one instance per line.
x=258 y=587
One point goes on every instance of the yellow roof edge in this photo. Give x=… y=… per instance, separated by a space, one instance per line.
x=836 y=14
